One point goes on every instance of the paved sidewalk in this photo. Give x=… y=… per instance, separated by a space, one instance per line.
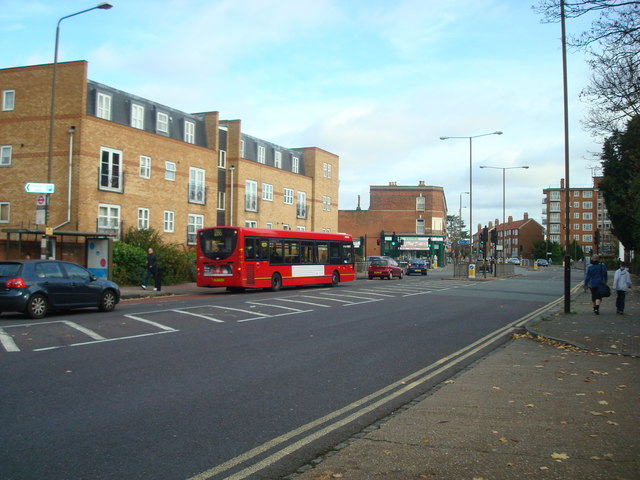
x=531 y=409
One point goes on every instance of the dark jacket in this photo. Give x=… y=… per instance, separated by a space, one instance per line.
x=595 y=274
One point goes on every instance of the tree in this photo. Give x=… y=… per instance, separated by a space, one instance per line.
x=621 y=183
x=456 y=227
x=613 y=45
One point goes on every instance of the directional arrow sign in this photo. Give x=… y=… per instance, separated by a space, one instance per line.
x=463 y=242
x=39 y=187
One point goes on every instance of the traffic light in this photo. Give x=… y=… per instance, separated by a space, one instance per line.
x=394 y=239
x=494 y=236
x=484 y=236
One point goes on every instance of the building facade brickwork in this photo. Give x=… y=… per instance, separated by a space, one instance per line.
x=417 y=215
x=120 y=161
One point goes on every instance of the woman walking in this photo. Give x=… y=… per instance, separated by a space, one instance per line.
x=594 y=276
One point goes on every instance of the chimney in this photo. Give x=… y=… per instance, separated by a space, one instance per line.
x=358 y=207
x=490 y=225
x=497 y=223
x=562 y=183
x=510 y=220
x=526 y=216
x=421 y=184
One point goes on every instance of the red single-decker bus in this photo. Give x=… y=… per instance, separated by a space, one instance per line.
x=243 y=257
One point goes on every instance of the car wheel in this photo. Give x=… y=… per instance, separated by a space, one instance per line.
x=276 y=282
x=107 y=301
x=37 y=306
x=335 y=279
x=390 y=276
x=401 y=275
x=370 y=277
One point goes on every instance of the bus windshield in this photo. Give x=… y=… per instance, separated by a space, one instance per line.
x=218 y=243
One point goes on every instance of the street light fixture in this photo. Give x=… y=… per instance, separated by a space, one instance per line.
x=471 y=174
x=100 y=6
x=504 y=169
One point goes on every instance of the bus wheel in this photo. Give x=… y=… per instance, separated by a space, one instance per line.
x=335 y=279
x=276 y=282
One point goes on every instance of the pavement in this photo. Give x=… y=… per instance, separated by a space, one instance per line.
x=559 y=401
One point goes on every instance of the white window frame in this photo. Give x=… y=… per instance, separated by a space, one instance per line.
x=103 y=106
x=267 y=192
x=137 y=116
x=143 y=218
x=285 y=226
x=109 y=218
x=554 y=195
x=251 y=224
x=326 y=167
x=269 y=225
x=162 y=122
x=5 y=212
x=326 y=203
x=587 y=227
x=587 y=194
x=587 y=215
x=421 y=203
x=222 y=159
x=222 y=200
x=168 y=223
x=251 y=196
x=111 y=177
x=145 y=166
x=301 y=204
x=288 y=196
x=8 y=100
x=262 y=154
x=170 y=171
x=241 y=148
x=189 y=132
x=197 y=185
x=587 y=205
x=301 y=228
x=194 y=223
x=576 y=204
x=587 y=238
x=5 y=155
x=295 y=164
x=277 y=159
x=420 y=226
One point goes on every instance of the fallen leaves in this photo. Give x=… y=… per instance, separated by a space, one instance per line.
x=558 y=457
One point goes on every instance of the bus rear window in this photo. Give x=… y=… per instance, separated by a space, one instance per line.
x=218 y=243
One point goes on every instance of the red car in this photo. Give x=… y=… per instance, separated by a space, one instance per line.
x=385 y=268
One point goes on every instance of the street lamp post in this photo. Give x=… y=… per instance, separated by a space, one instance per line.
x=471 y=174
x=100 y=6
x=504 y=169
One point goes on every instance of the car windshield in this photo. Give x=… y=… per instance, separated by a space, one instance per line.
x=10 y=269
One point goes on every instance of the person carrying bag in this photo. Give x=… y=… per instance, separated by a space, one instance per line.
x=595 y=278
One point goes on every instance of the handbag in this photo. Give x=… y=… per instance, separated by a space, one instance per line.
x=604 y=290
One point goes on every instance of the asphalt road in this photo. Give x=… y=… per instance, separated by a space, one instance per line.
x=238 y=386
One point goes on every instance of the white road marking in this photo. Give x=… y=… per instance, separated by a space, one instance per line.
x=86 y=331
x=7 y=342
x=198 y=315
x=149 y=322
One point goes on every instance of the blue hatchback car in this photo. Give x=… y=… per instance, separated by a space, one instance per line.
x=417 y=265
x=35 y=287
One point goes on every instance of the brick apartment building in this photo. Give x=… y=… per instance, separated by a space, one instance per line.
x=587 y=212
x=515 y=237
x=417 y=214
x=121 y=161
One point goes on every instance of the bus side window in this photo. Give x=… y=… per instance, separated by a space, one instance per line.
x=347 y=252
x=263 y=249
x=250 y=248
x=276 y=251
x=308 y=252
x=291 y=251
x=335 y=255
x=323 y=252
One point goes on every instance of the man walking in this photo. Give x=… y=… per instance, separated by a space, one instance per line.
x=152 y=270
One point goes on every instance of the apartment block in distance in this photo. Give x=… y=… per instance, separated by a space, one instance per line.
x=516 y=238
x=417 y=215
x=120 y=161
x=587 y=214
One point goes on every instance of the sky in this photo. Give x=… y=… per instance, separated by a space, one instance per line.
x=376 y=82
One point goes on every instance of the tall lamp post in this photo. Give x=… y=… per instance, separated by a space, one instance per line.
x=504 y=169
x=471 y=174
x=100 y=6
